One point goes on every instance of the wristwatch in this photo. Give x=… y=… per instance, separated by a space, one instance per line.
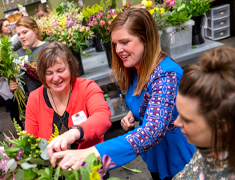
x=81 y=132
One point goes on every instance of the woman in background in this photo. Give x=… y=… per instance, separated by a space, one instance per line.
x=42 y=10
x=206 y=103
x=31 y=38
x=6 y=97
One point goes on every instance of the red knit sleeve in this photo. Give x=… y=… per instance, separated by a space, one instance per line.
x=31 y=123
x=98 y=121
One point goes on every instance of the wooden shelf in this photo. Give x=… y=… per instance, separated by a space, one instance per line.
x=27 y=4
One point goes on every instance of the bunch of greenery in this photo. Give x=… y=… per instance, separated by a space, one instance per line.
x=87 y=12
x=26 y=158
x=10 y=69
x=197 y=7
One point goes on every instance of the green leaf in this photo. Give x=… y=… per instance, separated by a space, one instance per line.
x=19 y=174
x=13 y=149
x=76 y=174
x=26 y=165
x=35 y=56
x=1 y=156
x=29 y=174
x=28 y=51
x=133 y=170
x=194 y=47
x=91 y=159
x=84 y=172
x=44 y=155
x=9 y=72
x=43 y=144
x=38 y=161
x=57 y=173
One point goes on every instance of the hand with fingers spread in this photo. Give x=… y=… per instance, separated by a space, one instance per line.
x=128 y=121
x=61 y=142
x=13 y=86
x=72 y=158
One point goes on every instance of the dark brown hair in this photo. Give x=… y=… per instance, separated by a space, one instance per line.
x=47 y=57
x=1 y=24
x=140 y=23
x=212 y=83
x=30 y=23
x=42 y=7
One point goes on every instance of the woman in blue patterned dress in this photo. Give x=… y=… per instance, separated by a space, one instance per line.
x=150 y=80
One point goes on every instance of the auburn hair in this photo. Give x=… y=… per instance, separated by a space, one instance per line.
x=30 y=23
x=138 y=22
x=212 y=83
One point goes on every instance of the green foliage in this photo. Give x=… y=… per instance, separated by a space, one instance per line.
x=133 y=170
x=197 y=7
x=87 y=12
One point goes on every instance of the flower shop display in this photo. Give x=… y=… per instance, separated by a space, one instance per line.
x=26 y=158
x=197 y=8
x=101 y=21
x=174 y=26
x=10 y=69
x=66 y=27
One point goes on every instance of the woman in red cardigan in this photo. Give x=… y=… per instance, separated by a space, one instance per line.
x=66 y=101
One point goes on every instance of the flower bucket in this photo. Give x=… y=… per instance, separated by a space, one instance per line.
x=176 y=40
x=196 y=32
x=97 y=40
x=108 y=52
x=79 y=59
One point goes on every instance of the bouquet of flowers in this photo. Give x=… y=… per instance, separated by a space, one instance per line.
x=10 y=69
x=26 y=158
x=89 y=11
x=102 y=19
x=66 y=27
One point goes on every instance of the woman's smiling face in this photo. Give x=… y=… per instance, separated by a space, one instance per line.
x=129 y=48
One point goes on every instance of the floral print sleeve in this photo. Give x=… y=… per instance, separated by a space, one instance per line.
x=157 y=111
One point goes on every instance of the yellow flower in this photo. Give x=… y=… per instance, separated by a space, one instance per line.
x=56 y=133
x=149 y=3
x=94 y=175
x=114 y=16
x=157 y=9
x=62 y=23
x=162 y=10
x=151 y=11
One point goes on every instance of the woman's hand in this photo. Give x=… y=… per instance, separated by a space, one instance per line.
x=61 y=142
x=13 y=86
x=128 y=121
x=72 y=158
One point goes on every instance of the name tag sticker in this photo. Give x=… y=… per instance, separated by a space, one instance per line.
x=79 y=117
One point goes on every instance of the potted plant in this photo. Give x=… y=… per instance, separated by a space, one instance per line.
x=66 y=27
x=197 y=8
x=174 y=27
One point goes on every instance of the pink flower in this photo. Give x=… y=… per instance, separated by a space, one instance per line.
x=108 y=16
x=102 y=23
x=128 y=4
x=170 y=2
x=110 y=21
x=96 y=23
x=101 y=14
x=98 y=16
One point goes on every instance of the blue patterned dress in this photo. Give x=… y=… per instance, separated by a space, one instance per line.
x=161 y=145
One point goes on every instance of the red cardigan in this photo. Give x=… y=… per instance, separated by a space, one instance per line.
x=86 y=95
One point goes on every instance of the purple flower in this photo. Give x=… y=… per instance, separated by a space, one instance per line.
x=10 y=138
x=3 y=162
x=83 y=163
x=19 y=154
x=50 y=38
x=107 y=164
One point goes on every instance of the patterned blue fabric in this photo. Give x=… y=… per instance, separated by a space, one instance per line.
x=162 y=146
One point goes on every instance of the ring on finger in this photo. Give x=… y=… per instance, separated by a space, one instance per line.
x=66 y=164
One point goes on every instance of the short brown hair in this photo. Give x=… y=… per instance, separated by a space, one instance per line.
x=30 y=23
x=47 y=57
x=139 y=22
x=42 y=7
x=212 y=83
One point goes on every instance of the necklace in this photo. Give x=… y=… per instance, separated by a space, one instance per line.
x=63 y=127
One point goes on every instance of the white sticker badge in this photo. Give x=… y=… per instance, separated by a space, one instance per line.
x=79 y=117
